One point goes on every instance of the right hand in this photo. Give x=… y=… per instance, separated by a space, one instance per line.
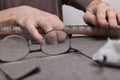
x=30 y=18
x=101 y=14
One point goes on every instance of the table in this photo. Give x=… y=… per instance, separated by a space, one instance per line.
x=65 y=67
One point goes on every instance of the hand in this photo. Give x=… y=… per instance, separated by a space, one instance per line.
x=31 y=18
x=101 y=14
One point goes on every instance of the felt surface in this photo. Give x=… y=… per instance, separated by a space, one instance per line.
x=69 y=66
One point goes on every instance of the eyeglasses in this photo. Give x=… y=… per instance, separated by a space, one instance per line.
x=16 y=47
x=55 y=42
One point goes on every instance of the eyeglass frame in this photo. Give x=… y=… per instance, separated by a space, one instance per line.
x=70 y=49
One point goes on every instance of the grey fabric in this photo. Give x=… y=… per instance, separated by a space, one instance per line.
x=69 y=66
x=79 y=4
x=52 y=6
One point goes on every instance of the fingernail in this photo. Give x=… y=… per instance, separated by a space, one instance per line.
x=114 y=25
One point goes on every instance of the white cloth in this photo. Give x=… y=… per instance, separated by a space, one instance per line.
x=109 y=53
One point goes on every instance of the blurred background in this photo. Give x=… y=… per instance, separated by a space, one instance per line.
x=72 y=16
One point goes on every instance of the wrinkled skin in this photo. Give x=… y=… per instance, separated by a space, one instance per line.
x=30 y=19
x=102 y=15
x=97 y=13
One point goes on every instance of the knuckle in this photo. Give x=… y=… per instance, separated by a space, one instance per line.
x=101 y=22
x=55 y=16
x=60 y=26
x=111 y=10
x=84 y=16
x=26 y=20
x=103 y=4
x=45 y=24
x=86 y=19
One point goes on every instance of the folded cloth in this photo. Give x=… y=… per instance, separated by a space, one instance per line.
x=109 y=53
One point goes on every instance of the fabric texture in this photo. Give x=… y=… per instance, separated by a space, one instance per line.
x=70 y=66
x=79 y=4
x=52 y=6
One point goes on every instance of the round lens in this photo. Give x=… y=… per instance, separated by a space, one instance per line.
x=13 y=47
x=55 y=42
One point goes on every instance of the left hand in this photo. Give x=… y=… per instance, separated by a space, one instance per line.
x=103 y=15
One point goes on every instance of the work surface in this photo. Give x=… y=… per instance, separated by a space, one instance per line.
x=69 y=66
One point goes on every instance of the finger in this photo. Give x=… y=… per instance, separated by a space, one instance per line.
x=61 y=36
x=33 y=31
x=57 y=23
x=111 y=15
x=46 y=26
x=51 y=38
x=90 y=18
x=51 y=24
x=101 y=18
x=118 y=18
